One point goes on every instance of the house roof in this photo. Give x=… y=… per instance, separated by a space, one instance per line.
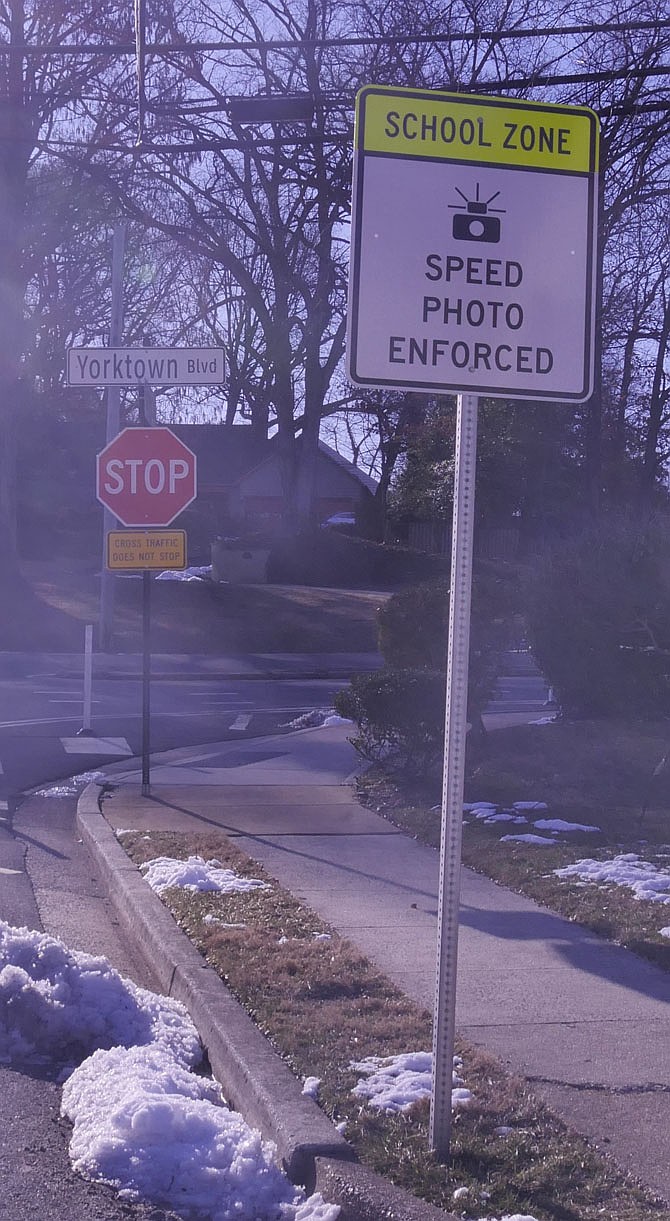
x=355 y=471
x=226 y=454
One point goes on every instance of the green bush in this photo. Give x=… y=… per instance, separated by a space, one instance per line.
x=399 y=715
x=598 y=612
x=400 y=711
x=413 y=628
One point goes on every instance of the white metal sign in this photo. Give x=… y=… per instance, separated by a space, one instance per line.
x=473 y=245
x=145 y=366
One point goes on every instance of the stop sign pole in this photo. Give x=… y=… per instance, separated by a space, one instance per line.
x=146 y=476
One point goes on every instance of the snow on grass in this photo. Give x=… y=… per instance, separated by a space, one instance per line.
x=510 y=1217
x=311 y=1087
x=142 y=1120
x=627 y=869
x=487 y=817
x=528 y=838
x=665 y=932
x=559 y=824
x=196 y=874
x=395 y=1083
x=488 y=812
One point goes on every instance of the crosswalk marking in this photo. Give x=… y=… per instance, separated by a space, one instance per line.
x=96 y=746
x=241 y=721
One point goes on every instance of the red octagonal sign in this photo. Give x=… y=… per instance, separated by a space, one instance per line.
x=146 y=476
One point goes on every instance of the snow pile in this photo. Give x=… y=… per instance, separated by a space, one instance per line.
x=644 y=879
x=70 y=787
x=58 y=1005
x=395 y=1083
x=316 y=719
x=143 y=1122
x=162 y=1134
x=196 y=874
x=186 y=574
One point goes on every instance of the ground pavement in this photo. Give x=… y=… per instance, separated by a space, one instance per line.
x=587 y=1022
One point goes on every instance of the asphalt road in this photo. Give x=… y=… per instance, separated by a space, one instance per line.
x=41 y=716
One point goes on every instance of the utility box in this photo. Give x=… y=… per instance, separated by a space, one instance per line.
x=239 y=563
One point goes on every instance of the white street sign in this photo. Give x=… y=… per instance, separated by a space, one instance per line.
x=473 y=245
x=145 y=366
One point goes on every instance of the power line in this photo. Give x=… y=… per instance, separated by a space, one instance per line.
x=316 y=44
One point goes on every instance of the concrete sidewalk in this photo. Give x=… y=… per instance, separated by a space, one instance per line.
x=586 y=1022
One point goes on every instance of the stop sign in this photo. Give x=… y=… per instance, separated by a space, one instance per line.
x=146 y=476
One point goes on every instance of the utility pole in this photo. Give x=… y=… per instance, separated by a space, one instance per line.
x=112 y=428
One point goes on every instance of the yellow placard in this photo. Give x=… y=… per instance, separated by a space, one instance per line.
x=136 y=550
x=465 y=127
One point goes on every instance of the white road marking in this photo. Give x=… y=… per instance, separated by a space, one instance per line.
x=241 y=721
x=63 y=700
x=96 y=746
x=8 y=871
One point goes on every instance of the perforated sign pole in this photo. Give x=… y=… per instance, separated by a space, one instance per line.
x=444 y=1021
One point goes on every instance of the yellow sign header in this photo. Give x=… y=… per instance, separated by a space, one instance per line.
x=465 y=127
x=135 y=550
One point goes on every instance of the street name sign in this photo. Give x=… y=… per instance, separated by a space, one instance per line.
x=473 y=262
x=145 y=366
x=146 y=476
x=138 y=550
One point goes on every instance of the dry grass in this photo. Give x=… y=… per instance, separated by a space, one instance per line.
x=322 y=1004
x=200 y=617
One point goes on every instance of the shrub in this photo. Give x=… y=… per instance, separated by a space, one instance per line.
x=413 y=627
x=399 y=714
x=400 y=710
x=598 y=610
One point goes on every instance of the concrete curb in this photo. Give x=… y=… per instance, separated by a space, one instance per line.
x=255 y=1080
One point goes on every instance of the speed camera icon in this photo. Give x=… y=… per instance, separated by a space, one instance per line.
x=473 y=221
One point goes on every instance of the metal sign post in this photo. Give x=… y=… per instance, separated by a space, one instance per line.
x=444 y=1022
x=146 y=683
